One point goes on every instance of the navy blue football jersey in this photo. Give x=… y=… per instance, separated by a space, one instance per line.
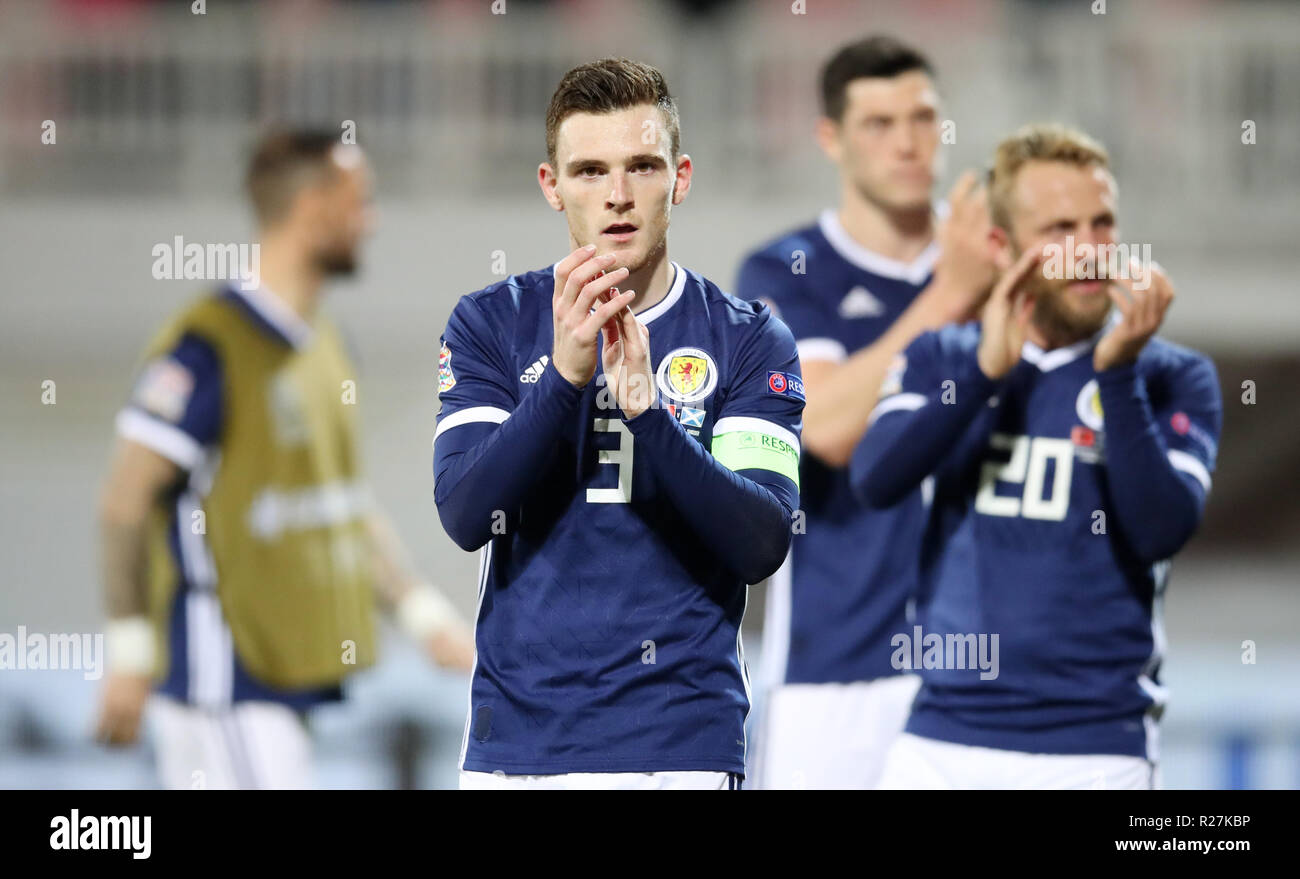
x=608 y=632
x=846 y=589
x=1023 y=543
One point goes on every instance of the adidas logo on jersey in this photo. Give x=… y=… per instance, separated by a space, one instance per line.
x=860 y=303
x=533 y=374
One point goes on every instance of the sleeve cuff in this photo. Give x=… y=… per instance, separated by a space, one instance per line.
x=1118 y=375
x=166 y=439
x=977 y=382
x=656 y=417
x=553 y=383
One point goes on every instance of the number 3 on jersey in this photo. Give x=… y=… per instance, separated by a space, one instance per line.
x=621 y=457
x=1028 y=466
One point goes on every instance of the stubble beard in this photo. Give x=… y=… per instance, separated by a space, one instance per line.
x=1055 y=319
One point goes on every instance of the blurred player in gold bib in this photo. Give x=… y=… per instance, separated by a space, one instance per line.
x=242 y=552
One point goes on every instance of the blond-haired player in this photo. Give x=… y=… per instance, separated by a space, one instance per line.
x=1071 y=451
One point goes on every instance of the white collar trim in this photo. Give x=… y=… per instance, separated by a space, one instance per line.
x=277 y=313
x=913 y=272
x=1046 y=361
x=674 y=293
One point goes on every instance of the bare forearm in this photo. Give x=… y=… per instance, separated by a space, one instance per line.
x=840 y=403
x=124 y=558
x=129 y=636
x=137 y=480
x=417 y=607
x=394 y=575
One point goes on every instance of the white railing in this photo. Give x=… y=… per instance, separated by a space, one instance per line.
x=449 y=96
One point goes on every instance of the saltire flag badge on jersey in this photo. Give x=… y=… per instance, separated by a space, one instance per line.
x=686 y=415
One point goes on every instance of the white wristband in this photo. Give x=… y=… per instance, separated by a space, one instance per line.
x=423 y=610
x=129 y=642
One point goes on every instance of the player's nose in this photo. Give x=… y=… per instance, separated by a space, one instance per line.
x=1088 y=237
x=620 y=193
x=906 y=140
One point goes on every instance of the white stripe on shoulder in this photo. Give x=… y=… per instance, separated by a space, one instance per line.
x=491 y=414
x=908 y=402
x=1189 y=463
x=734 y=423
x=166 y=439
x=822 y=349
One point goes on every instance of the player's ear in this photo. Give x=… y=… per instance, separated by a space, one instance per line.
x=1000 y=248
x=547 y=179
x=682 y=183
x=306 y=212
x=828 y=138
